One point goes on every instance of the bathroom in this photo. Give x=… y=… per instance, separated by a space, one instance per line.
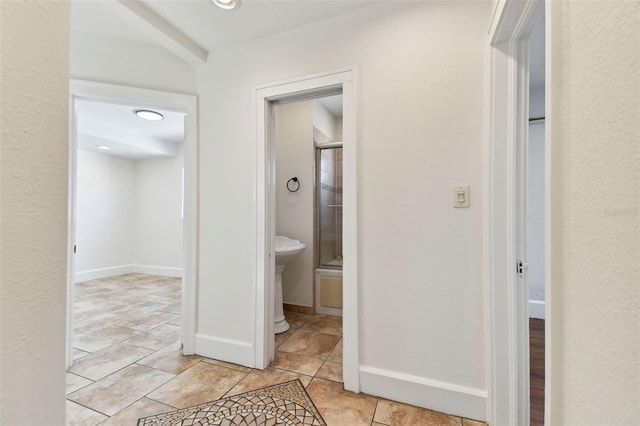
x=308 y=137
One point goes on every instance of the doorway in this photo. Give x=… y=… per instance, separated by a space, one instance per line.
x=535 y=221
x=129 y=214
x=99 y=94
x=129 y=191
x=266 y=96
x=506 y=143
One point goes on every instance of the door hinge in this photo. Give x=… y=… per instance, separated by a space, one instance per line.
x=521 y=266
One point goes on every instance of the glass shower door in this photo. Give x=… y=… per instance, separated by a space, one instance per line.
x=329 y=199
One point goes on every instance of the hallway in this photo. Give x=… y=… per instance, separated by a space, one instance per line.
x=129 y=364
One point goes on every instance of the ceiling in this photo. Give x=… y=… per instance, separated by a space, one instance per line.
x=117 y=127
x=210 y=28
x=207 y=25
x=96 y=17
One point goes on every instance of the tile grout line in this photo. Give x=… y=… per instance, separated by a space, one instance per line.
x=92 y=409
x=79 y=375
x=117 y=371
x=305 y=325
x=135 y=362
x=373 y=419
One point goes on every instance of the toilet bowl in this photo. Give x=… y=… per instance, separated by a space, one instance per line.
x=287 y=250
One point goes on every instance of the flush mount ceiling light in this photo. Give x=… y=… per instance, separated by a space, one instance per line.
x=103 y=147
x=227 y=4
x=146 y=114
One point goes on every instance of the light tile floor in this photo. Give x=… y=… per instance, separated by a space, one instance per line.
x=128 y=362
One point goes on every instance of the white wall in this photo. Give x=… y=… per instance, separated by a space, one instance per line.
x=33 y=230
x=324 y=121
x=595 y=211
x=106 y=213
x=129 y=215
x=536 y=102
x=294 y=210
x=535 y=205
x=127 y=62
x=420 y=102
x=158 y=216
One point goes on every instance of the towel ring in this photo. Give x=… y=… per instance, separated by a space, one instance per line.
x=295 y=185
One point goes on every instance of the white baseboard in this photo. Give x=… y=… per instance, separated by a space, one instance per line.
x=165 y=271
x=536 y=309
x=423 y=392
x=227 y=350
x=112 y=271
x=95 y=274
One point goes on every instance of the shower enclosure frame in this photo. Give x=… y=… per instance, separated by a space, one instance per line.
x=318 y=256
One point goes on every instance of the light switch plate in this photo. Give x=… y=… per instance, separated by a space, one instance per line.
x=461 y=196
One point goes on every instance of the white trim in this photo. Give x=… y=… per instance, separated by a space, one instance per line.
x=265 y=262
x=112 y=271
x=350 y=300
x=228 y=350
x=486 y=227
x=505 y=135
x=265 y=219
x=503 y=373
x=163 y=271
x=96 y=274
x=423 y=392
x=72 y=209
x=102 y=92
x=536 y=309
x=521 y=293
x=513 y=20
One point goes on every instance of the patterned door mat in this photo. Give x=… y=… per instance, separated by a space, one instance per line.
x=282 y=404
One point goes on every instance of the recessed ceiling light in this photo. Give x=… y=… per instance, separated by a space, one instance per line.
x=103 y=147
x=149 y=115
x=227 y=4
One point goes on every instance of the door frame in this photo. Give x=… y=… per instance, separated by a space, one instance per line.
x=300 y=88
x=506 y=118
x=125 y=95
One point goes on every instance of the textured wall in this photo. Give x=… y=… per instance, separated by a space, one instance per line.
x=595 y=254
x=34 y=178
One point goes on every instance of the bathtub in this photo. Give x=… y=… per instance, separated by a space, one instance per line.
x=329 y=291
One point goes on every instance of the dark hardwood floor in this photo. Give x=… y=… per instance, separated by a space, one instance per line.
x=536 y=374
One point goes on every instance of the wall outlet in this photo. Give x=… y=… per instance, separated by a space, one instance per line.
x=461 y=196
